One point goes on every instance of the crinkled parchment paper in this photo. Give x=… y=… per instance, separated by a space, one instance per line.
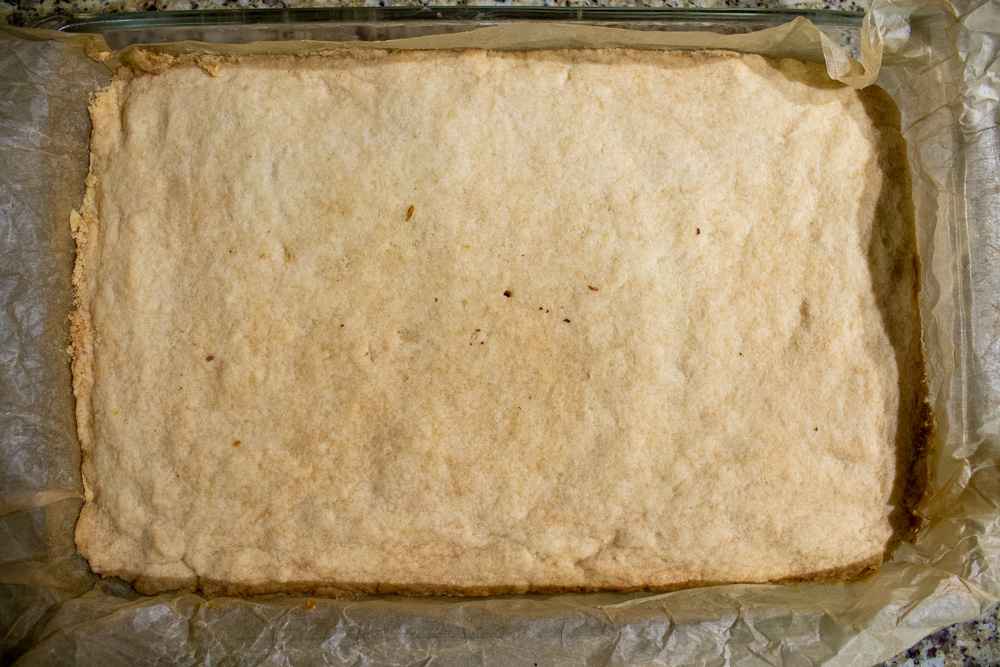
x=942 y=69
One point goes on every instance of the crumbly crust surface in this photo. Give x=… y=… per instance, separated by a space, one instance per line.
x=469 y=322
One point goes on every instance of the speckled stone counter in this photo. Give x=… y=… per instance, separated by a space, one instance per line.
x=972 y=643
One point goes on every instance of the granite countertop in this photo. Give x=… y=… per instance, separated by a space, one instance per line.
x=973 y=643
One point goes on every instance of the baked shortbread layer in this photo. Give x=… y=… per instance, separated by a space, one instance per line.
x=470 y=322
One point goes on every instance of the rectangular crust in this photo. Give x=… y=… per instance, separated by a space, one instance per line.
x=474 y=322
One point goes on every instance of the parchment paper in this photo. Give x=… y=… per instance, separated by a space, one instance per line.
x=941 y=70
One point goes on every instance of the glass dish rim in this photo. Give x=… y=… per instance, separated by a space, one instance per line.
x=99 y=22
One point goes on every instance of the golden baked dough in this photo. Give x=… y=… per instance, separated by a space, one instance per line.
x=479 y=322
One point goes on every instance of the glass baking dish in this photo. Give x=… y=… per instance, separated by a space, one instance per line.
x=581 y=621
x=344 y=24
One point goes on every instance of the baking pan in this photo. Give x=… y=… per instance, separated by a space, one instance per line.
x=61 y=612
x=345 y=24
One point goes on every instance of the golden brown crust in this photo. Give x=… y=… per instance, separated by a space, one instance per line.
x=162 y=533
x=853 y=572
x=82 y=333
x=84 y=225
x=892 y=252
